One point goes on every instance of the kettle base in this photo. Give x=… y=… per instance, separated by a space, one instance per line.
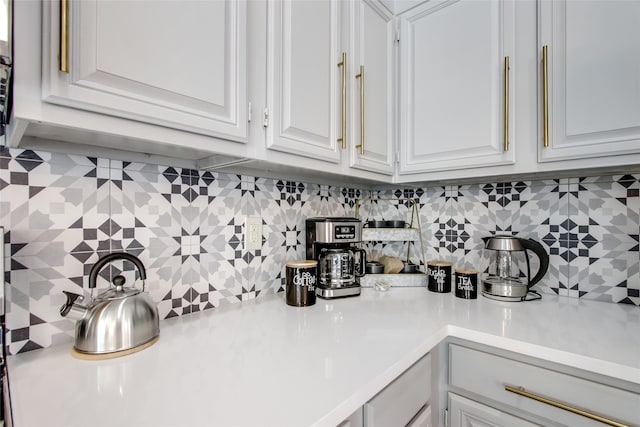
x=112 y=355
x=503 y=298
x=504 y=290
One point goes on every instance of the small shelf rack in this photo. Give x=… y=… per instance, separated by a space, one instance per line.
x=411 y=235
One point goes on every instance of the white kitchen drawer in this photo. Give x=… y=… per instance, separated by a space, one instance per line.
x=485 y=375
x=401 y=400
x=423 y=419
x=355 y=420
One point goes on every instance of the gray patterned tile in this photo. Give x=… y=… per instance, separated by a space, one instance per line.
x=62 y=212
x=470 y=219
x=603 y=227
x=49 y=211
x=146 y=210
x=35 y=294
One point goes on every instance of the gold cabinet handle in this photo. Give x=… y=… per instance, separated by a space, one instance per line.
x=506 y=103
x=64 y=36
x=343 y=140
x=522 y=392
x=545 y=97
x=360 y=76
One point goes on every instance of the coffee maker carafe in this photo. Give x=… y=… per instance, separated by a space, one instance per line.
x=508 y=259
x=339 y=267
x=330 y=241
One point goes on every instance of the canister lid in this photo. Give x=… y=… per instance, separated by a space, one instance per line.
x=466 y=271
x=440 y=263
x=302 y=263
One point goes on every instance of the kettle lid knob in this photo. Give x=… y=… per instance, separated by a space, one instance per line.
x=118 y=281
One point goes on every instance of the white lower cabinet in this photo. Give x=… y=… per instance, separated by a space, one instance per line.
x=423 y=419
x=355 y=420
x=402 y=400
x=469 y=413
x=504 y=390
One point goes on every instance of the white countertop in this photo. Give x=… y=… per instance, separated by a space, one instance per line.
x=263 y=363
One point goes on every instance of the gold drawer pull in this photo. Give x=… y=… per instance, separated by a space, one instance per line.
x=506 y=103
x=343 y=64
x=64 y=36
x=522 y=392
x=545 y=97
x=361 y=77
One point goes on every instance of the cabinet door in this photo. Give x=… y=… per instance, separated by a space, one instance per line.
x=593 y=75
x=355 y=420
x=423 y=419
x=401 y=400
x=372 y=92
x=454 y=105
x=468 y=413
x=303 y=78
x=171 y=63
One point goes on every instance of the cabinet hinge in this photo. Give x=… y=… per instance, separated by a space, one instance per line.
x=265 y=117
x=397 y=36
x=397 y=157
x=249 y=113
x=446 y=418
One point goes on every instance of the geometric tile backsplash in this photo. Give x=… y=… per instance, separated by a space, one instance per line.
x=61 y=213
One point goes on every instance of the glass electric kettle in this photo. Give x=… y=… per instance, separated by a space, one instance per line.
x=508 y=275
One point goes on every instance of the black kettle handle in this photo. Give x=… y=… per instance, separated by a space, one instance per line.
x=538 y=249
x=93 y=274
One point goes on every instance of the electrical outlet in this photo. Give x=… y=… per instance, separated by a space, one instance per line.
x=253 y=233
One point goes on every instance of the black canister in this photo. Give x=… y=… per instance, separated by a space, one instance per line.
x=466 y=284
x=439 y=276
x=301 y=277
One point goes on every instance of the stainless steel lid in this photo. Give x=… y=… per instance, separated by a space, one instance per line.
x=504 y=243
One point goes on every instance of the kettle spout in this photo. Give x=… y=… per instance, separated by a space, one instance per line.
x=71 y=309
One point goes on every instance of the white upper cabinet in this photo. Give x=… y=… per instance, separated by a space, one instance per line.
x=592 y=103
x=304 y=48
x=330 y=85
x=372 y=87
x=443 y=90
x=457 y=90
x=179 y=64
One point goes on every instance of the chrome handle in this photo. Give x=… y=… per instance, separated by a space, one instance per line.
x=64 y=36
x=545 y=97
x=361 y=77
x=506 y=103
x=522 y=392
x=343 y=64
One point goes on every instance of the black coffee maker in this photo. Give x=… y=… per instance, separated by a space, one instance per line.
x=330 y=241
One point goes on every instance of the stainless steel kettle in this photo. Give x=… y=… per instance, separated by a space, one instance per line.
x=507 y=257
x=118 y=319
